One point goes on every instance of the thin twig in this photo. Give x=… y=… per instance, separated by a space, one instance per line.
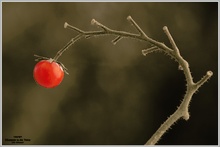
x=66 y=25
x=94 y=22
x=204 y=79
x=116 y=40
x=71 y=42
x=172 y=42
x=130 y=19
x=150 y=50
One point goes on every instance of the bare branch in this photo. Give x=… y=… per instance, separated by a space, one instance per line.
x=114 y=41
x=182 y=111
x=66 y=25
x=204 y=79
x=150 y=50
x=94 y=22
x=129 y=18
x=172 y=42
x=108 y=31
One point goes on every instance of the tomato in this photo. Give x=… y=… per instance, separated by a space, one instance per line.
x=48 y=73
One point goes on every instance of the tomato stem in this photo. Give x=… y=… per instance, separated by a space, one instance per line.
x=71 y=42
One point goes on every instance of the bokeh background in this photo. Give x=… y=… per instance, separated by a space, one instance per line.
x=114 y=95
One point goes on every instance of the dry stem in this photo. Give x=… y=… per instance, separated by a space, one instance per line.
x=182 y=111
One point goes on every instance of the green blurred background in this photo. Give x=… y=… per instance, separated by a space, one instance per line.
x=114 y=95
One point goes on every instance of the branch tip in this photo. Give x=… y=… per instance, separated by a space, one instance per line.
x=66 y=25
x=129 y=18
x=165 y=28
x=93 y=22
x=204 y=79
x=209 y=73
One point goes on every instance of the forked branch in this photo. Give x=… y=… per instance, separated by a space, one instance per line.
x=191 y=86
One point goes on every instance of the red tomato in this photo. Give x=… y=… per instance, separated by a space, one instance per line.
x=48 y=73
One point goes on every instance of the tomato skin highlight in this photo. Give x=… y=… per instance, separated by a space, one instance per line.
x=48 y=74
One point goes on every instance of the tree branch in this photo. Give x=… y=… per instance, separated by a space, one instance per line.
x=182 y=110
